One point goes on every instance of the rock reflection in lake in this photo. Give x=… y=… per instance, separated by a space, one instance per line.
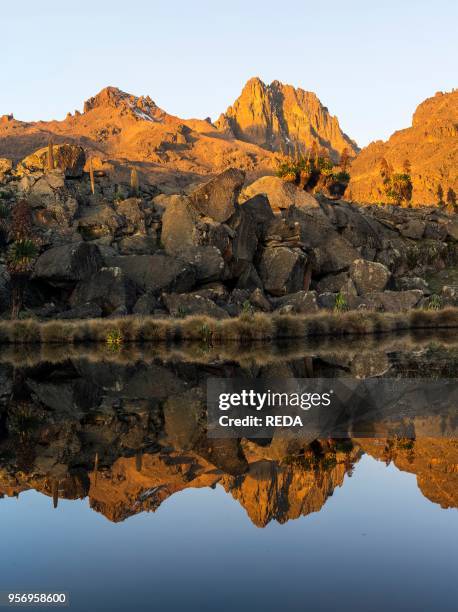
x=127 y=429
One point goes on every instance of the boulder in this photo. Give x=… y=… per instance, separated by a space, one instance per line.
x=259 y=301
x=182 y=227
x=179 y=304
x=137 y=245
x=84 y=311
x=327 y=300
x=146 y=304
x=246 y=275
x=132 y=212
x=217 y=198
x=260 y=210
x=281 y=232
x=245 y=242
x=452 y=230
x=68 y=158
x=395 y=301
x=216 y=292
x=156 y=273
x=332 y=282
x=369 y=276
x=68 y=264
x=281 y=194
x=109 y=288
x=6 y=166
x=207 y=261
x=282 y=270
x=405 y=283
x=303 y=302
x=98 y=221
x=53 y=205
x=413 y=228
x=329 y=251
x=359 y=229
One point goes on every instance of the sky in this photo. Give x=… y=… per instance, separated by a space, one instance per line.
x=370 y=63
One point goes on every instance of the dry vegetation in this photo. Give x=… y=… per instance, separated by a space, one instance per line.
x=246 y=329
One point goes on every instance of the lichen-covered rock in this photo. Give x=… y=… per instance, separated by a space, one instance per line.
x=68 y=263
x=218 y=197
x=369 y=276
x=282 y=270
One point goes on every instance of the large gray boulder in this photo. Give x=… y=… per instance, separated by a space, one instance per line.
x=53 y=205
x=207 y=261
x=332 y=282
x=329 y=251
x=135 y=218
x=68 y=263
x=183 y=227
x=99 y=221
x=109 y=289
x=282 y=270
x=192 y=304
x=395 y=301
x=218 y=197
x=303 y=302
x=156 y=273
x=369 y=276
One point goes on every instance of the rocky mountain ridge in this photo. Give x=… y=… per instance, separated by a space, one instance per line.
x=118 y=129
x=430 y=146
x=282 y=117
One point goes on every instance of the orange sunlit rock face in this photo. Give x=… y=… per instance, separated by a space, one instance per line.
x=431 y=147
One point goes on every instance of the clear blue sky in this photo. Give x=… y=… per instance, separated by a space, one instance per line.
x=370 y=63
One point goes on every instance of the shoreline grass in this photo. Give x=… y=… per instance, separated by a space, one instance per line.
x=246 y=329
x=246 y=355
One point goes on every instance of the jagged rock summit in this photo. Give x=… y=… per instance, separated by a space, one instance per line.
x=431 y=147
x=122 y=130
x=282 y=117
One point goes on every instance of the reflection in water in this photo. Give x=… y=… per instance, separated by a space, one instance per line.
x=128 y=430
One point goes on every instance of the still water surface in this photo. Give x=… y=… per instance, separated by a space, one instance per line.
x=111 y=494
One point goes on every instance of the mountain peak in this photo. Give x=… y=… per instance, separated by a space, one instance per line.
x=282 y=117
x=142 y=107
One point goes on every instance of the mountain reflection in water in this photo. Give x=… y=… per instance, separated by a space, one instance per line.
x=127 y=429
